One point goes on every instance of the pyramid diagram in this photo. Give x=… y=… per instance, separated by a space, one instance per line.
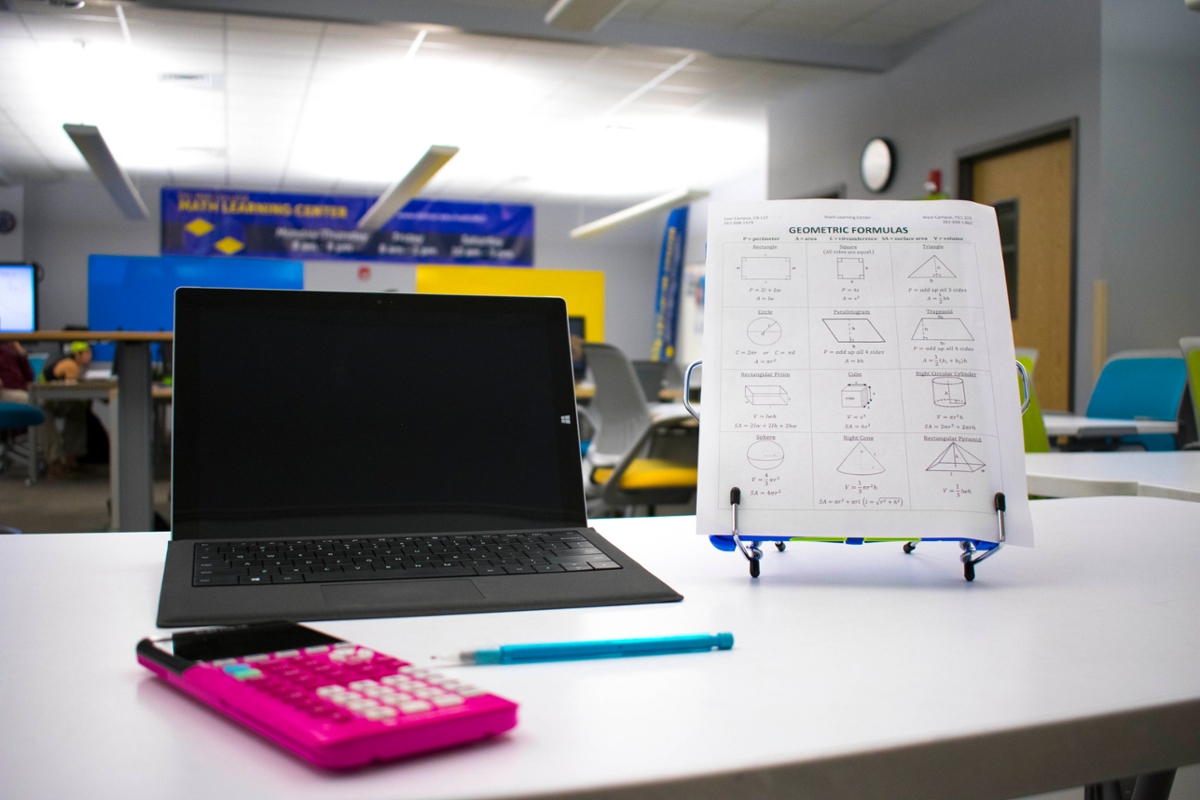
x=860 y=462
x=955 y=459
x=933 y=268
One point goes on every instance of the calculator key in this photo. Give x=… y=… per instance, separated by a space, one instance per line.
x=393 y=680
x=361 y=704
x=287 y=654
x=257 y=657
x=378 y=691
x=358 y=686
x=223 y=662
x=382 y=712
x=470 y=691
x=415 y=706
x=326 y=691
x=428 y=691
x=396 y=698
x=345 y=698
x=321 y=648
x=446 y=700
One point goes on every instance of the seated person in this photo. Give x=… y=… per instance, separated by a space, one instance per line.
x=15 y=373
x=64 y=450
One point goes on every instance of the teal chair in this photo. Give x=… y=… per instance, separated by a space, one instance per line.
x=13 y=417
x=1141 y=384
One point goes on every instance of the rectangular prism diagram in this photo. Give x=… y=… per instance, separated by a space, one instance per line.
x=766 y=395
x=766 y=268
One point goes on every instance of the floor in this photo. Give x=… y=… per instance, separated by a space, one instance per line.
x=78 y=504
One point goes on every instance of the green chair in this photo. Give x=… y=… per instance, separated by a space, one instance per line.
x=1190 y=345
x=1036 y=440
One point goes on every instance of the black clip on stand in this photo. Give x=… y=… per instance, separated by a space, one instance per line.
x=752 y=553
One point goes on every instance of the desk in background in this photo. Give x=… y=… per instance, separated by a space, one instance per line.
x=135 y=479
x=1174 y=475
x=1074 y=426
x=858 y=672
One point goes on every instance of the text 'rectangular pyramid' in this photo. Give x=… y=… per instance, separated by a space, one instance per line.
x=860 y=462
x=933 y=268
x=955 y=459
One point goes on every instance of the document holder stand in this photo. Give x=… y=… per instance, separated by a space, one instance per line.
x=973 y=550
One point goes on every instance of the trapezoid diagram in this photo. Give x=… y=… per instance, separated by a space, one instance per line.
x=766 y=268
x=765 y=454
x=949 y=392
x=955 y=459
x=943 y=329
x=851 y=269
x=767 y=395
x=764 y=331
x=933 y=268
x=849 y=330
x=860 y=461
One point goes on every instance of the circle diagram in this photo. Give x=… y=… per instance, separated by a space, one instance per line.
x=764 y=330
x=765 y=454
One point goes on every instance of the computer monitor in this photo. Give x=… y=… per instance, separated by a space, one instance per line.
x=18 y=298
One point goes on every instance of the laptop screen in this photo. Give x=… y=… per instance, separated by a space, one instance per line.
x=345 y=414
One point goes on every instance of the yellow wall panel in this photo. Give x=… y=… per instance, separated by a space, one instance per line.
x=583 y=291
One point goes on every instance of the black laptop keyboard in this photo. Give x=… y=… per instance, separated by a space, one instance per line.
x=394 y=557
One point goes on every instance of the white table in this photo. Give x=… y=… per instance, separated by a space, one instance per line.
x=1072 y=425
x=858 y=672
x=1173 y=474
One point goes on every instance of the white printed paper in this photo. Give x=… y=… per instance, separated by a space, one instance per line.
x=859 y=374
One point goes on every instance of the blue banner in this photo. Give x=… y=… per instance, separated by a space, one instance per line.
x=670 y=277
x=222 y=223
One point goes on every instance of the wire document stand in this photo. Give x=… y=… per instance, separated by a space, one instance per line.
x=974 y=551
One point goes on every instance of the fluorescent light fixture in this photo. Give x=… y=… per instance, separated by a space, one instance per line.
x=668 y=200
x=582 y=15
x=96 y=153
x=405 y=189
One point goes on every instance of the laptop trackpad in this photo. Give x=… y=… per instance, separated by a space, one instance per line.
x=400 y=594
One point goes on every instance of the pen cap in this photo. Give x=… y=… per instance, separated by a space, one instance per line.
x=724 y=641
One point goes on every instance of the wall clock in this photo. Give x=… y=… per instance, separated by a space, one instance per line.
x=878 y=164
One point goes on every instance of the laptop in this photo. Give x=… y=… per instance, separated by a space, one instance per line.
x=344 y=455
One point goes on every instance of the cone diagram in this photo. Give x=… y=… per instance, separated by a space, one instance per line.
x=860 y=462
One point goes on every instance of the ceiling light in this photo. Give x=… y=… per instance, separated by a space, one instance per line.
x=668 y=200
x=582 y=15
x=96 y=153
x=405 y=189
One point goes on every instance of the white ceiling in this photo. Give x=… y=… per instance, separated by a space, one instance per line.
x=322 y=106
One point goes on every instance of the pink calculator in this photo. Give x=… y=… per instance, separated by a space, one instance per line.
x=336 y=704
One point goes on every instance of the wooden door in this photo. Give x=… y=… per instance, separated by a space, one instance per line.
x=1038 y=253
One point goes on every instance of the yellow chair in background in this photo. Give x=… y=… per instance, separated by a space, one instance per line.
x=1036 y=440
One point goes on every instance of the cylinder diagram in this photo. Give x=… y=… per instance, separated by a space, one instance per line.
x=949 y=392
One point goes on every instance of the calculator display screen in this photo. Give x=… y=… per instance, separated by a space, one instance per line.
x=245 y=640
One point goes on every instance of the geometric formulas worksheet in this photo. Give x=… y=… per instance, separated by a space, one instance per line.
x=859 y=375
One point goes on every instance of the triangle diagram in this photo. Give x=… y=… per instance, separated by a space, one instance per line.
x=933 y=268
x=860 y=462
x=955 y=459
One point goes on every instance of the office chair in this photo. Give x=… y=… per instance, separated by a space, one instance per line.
x=1190 y=346
x=650 y=375
x=13 y=417
x=1034 y=427
x=635 y=459
x=1141 y=384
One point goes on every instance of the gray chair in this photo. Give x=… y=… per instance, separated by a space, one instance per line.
x=636 y=458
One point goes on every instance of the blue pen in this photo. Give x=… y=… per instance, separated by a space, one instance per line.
x=613 y=648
